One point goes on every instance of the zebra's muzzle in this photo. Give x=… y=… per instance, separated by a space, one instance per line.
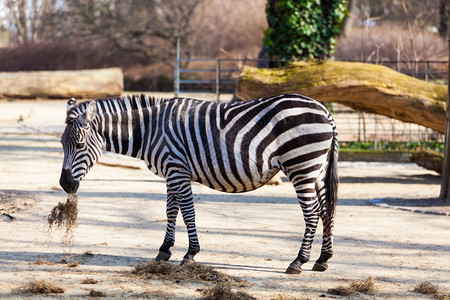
x=67 y=182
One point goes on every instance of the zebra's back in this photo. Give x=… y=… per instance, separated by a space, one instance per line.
x=237 y=147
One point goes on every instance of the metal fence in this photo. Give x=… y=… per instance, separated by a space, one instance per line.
x=358 y=126
x=208 y=75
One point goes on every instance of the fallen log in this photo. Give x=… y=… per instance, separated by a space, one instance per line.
x=62 y=84
x=365 y=87
x=428 y=159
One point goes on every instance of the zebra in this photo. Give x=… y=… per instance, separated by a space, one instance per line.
x=231 y=147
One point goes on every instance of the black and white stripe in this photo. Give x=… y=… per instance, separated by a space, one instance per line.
x=233 y=147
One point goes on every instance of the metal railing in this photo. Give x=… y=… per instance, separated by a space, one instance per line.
x=363 y=127
x=208 y=85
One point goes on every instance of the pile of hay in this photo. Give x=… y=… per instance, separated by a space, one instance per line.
x=64 y=214
x=191 y=272
x=366 y=286
x=224 y=292
x=95 y=293
x=39 y=287
x=428 y=288
x=89 y=280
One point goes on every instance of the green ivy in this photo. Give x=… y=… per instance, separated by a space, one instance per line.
x=303 y=29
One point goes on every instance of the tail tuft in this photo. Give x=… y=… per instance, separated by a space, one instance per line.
x=331 y=178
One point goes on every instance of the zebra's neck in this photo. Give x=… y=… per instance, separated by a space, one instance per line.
x=122 y=130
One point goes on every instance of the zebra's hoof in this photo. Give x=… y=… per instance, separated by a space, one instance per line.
x=187 y=261
x=292 y=269
x=320 y=267
x=163 y=256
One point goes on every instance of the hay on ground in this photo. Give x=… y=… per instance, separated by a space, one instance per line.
x=192 y=272
x=95 y=293
x=428 y=288
x=39 y=287
x=88 y=254
x=44 y=262
x=64 y=214
x=89 y=280
x=223 y=291
x=366 y=286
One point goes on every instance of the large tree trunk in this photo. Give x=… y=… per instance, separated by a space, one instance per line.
x=62 y=84
x=365 y=87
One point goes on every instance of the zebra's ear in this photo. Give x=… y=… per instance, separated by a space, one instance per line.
x=90 y=113
x=71 y=103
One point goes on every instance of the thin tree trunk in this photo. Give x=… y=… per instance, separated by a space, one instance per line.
x=445 y=183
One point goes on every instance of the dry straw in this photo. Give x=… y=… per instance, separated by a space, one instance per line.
x=191 y=272
x=223 y=291
x=64 y=216
x=366 y=286
x=39 y=287
x=428 y=288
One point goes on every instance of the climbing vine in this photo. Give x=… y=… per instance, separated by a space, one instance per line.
x=303 y=29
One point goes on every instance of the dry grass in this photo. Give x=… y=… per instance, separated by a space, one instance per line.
x=95 y=293
x=89 y=280
x=191 y=272
x=284 y=297
x=64 y=214
x=88 y=254
x=366 y=286
x=428 y=288
x=73 y=264
x=224 y=292
x=43 y=262
x=39 y=287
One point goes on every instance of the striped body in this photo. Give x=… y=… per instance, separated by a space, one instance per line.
x=233 y=147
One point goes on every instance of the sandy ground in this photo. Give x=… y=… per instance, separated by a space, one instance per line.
x=253 y=236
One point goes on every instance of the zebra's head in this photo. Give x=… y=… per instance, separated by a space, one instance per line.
x=82 y=145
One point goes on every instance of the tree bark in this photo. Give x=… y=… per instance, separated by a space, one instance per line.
x=445 y=180
x=364 y=87
x=62 y=84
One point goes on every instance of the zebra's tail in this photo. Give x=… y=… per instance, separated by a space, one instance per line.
x=331 y=177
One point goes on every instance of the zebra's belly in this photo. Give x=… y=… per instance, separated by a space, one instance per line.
x=237 y=185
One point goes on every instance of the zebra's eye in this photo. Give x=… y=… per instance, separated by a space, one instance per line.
x=79 y=145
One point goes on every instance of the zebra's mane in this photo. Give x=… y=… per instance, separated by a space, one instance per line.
x=118 y=104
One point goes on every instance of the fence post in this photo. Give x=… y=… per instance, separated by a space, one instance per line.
x=176 y=81
x=375 y=137
x=218 y=79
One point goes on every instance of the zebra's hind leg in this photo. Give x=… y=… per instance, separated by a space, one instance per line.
x=307 y=197
x=172 y=209
x=327 y=243
x=328 y=223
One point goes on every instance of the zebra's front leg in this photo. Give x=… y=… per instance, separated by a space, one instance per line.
x=180 y=188
x=172 y=209
x=188 y=212
x=311 y=216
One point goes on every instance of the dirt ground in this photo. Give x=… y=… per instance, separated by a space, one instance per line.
x=253 y=236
